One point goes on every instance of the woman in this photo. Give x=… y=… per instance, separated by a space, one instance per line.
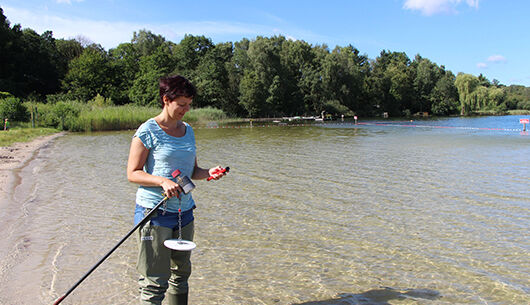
x=161 y=145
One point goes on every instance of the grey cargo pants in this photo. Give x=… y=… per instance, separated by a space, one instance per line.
x=161 y=268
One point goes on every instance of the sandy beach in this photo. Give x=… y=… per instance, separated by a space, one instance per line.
x=16 y=156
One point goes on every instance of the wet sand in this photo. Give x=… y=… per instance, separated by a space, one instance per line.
x=16 y=156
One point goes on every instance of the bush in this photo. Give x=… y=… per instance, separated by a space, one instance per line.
x=55 y=98
x=4 y=95
x=100 y=101
x=335 y=107
x=12 y=108
x=524 y=104
x=112 y=118
x=204 y=115
x=59 y=115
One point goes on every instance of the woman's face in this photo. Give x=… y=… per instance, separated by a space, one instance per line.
x=178 y=107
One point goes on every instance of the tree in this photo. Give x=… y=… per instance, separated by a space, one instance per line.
x=496 y=98
x=211 y=78
x=146 y=43
x=88 y=75
x=311 y=82
x=29 y=62
x=466 y=84
x=189 y=53
x=426 y=77
x=235 y=68
x=391 y=83
x=144 y=90
x=299 y=70
x=264 y=65
x=444 y=96
x=67 y=50
x=10 y=51
x=12 y=108
x=41 y=65
x=124 y=60
x=252 y=97
x=343 y=76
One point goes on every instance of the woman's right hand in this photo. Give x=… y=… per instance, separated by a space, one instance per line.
x=171 y=188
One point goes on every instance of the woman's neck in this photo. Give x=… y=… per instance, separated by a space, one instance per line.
x=166 y=122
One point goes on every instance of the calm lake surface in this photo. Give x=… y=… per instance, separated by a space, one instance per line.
x=384 y=212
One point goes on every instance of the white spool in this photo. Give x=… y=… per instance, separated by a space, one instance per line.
x=179 y=244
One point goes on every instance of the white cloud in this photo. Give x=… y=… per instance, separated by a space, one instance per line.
x=497 y=59
x=431 y=7
x=111 y=33
x=108 y=34
x=494 y=59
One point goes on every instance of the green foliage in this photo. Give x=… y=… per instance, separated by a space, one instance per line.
x=4 y=95
x=112 y=118
x=12 y=108
x=100 y=101
x=144 y=91
x=77 y=116
x=88 y=75
x=477 y=98
x=336 y=108
x=58 y=97
x=266 y=76
x=146 y=43
x=517 y=97
x=211 y=77
x=252 y=97
x=466 y=85
x=29 y=62
x=444 y=96
x=204 y=115
x=58 y=115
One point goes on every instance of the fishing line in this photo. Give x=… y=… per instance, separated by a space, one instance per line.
x=180 y=244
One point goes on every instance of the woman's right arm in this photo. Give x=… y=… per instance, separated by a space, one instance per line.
x=136 y=174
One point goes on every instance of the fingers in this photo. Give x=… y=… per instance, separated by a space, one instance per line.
x=216 y=173
x=172 y=190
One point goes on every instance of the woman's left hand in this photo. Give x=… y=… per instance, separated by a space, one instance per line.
x=216 y=173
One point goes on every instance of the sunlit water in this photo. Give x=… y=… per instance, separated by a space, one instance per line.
x=382 y=213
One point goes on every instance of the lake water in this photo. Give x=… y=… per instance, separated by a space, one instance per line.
x=383 y=212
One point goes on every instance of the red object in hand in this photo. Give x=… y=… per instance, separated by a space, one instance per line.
x=219 y=171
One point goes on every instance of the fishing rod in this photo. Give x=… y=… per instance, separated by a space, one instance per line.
x=185 y=184
x=158 y=205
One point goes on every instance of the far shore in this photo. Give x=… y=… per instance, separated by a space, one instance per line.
x=16 y=156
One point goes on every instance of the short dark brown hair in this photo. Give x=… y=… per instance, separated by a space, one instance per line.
x=174 y=86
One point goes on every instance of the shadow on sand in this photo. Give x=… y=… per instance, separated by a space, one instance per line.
x=378 y=297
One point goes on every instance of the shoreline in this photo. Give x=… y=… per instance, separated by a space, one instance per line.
x=16 y=156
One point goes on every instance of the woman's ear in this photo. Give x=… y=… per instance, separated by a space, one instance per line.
x=165 y=100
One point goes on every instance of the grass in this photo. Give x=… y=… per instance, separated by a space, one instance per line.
x=519 y=112
x=93 y=118
x=130 y=117
x=205 y=115
x=111 y=118
x=20 y=134
x=75 y=116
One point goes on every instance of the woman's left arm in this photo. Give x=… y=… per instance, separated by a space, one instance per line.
x=203 y=173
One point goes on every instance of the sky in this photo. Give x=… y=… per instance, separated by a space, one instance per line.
x=489 y=37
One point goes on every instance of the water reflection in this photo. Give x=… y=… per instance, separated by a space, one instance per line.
x=305 y=214
x=380 y=296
